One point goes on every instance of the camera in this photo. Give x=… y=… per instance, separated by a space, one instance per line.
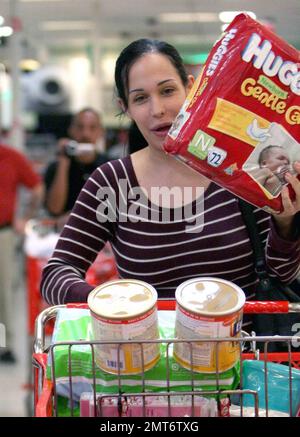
x=73 y=148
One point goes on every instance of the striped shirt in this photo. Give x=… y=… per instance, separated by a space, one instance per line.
x=158 y=245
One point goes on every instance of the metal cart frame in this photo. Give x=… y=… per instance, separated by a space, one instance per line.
x=45 y=396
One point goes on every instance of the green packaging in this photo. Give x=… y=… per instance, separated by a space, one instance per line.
x=76 y=360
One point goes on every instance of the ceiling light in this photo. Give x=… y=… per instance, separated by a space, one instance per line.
x=29 y=64
x=201 y=17
x=66 y=25
x=6 y=31
x=29 y=1
x=228 y=16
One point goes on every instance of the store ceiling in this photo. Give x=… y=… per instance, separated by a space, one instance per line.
x=68 y=25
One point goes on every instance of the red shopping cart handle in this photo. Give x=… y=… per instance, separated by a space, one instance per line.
x=251 y=307
x=78 y=305
x=258 y=307
x=281 y=306
x=168 y=305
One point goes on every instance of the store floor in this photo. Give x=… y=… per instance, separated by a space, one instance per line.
x=15 y=397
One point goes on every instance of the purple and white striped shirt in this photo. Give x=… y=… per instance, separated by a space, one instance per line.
x=163 y=254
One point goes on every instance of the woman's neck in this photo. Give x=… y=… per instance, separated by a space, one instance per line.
x=167 y=168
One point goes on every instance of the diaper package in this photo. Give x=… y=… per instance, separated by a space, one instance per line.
x=239 y=125
x=281 y=388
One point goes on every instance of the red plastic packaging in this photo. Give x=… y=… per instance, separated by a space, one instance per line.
x=240 y=124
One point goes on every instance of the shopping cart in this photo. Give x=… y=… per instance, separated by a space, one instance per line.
x=123 y=403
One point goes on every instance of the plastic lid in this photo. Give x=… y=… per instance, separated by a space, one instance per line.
x=210 y=296
x=122 y=299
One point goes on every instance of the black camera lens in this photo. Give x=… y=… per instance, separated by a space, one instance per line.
x=71 y=148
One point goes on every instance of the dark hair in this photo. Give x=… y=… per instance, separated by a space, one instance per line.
x=136 y=140
x=265 y=153
x=137 y=49
x=87 y=109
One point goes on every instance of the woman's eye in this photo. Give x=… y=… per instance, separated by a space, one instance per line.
x=139 y=99
x=168 y=91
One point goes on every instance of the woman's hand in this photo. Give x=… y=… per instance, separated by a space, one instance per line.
x=284 y=220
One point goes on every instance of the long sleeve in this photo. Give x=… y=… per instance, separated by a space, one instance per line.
x=89 y=227
x=283 y=256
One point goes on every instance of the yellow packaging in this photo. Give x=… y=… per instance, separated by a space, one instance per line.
x=125 y=310
x=211 y=308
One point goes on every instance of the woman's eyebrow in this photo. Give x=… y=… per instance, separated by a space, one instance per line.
x=164 y=81
x=135 y=90
x=142 y=89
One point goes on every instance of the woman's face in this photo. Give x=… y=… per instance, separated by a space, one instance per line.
x=155 y=96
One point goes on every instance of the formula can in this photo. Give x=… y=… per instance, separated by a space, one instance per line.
x=125 y=309
x=211 y=308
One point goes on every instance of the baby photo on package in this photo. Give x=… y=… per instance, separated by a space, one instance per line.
x=272 y=157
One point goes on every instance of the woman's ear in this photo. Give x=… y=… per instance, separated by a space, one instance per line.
x=191 y=81
x=123 y=107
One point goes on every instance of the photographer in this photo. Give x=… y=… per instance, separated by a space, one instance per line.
x=77 y=158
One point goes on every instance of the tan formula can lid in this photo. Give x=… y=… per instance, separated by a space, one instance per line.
x=210 y=296
x=122 y=299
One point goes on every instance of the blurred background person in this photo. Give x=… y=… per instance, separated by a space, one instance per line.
x=15 y=171
x=78 y=156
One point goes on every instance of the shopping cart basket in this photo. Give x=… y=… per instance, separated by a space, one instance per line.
x=133 y=403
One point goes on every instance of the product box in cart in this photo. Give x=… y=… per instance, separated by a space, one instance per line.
x=239 y=125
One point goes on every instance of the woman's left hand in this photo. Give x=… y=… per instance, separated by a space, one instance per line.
x=284 y=220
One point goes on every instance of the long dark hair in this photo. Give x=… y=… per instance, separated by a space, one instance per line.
x=136 y=140
x=137 y=49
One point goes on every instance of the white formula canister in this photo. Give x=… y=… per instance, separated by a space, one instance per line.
x=125 y=309
x=212 y=308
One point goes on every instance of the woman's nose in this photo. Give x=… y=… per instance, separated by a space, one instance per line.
x=157 y=107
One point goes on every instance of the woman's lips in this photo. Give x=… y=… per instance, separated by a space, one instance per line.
x=161 y=131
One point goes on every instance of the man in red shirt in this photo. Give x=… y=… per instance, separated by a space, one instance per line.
x=15 y=171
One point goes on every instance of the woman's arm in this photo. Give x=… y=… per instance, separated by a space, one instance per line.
x=283 y=245
x=57 y=193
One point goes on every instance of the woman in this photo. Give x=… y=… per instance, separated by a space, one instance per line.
x=150 y=239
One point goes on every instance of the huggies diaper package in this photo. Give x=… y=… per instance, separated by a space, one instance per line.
x=240 y=124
